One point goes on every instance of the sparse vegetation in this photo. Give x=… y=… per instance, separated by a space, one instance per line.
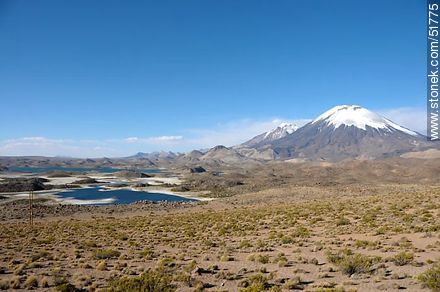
x=352 y=263
x=431 y=278
x=284 y=238
x=403 y=258
x=257 y=282
x=151 y=280
x=106 y=254
x=31 y=282
x=101 y=266
x=262 y=258
x=342 y=221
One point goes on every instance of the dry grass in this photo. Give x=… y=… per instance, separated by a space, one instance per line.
x=313 y=238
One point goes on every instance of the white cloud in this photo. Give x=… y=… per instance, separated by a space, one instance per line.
x=237 y=132
x=132 y=139
x=409 y=117
x=153 y=140
x=227 y=134
x=37 y=139
x=165 y=138
x=46 y=147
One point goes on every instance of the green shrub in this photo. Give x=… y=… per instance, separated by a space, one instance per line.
x=365 y=244
x=283 y=263
x=151 y=281
x=101 y=266
x=67 y=287
x=281 y=259
x=184 y=278
x=339 y=289
x=148 y=254
x=226 y=258
x=90 y=244
x=122 y=236
x=350 y=263
x=293 y=284
x=44 y=283
x=251 y=258
x=4 y=284
x=102 y=254
x=342 y=221
x=245 y=243
x=403 y=258
x=255 y=283
x=431 y=278
x=38 y=255
x=301 y=231
x=262 y=258
x=31 y=282
x=286 y=239
x=15 y=282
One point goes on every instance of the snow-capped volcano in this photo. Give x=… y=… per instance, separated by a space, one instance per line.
x=359 y=117
x=345 y=131
x=279 y=132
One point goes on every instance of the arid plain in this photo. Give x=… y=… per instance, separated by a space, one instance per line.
x=346 y=226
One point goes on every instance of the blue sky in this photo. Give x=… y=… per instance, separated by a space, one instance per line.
x=93 y=78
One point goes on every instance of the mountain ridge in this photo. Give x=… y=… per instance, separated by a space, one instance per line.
x=348 y=132
x=279 y=132
x=342 y=132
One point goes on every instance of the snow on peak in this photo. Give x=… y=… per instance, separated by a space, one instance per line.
x=281 y=131
x=354 y=115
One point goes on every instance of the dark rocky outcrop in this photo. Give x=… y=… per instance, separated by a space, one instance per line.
x=131 y=174
x=118 y=185
x=10 y=185
x=140 y=185
x=197 y=169
x=181 y=188
x=86 y=181
x=59 y=173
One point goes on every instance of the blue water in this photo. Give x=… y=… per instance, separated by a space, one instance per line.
x=74 y=169
x=121 y=196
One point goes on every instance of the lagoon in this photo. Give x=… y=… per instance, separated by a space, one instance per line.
x=29 y=169
x=101 y=196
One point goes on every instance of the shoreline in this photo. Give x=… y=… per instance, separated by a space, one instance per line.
x=54 y=198
x=155 y=184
